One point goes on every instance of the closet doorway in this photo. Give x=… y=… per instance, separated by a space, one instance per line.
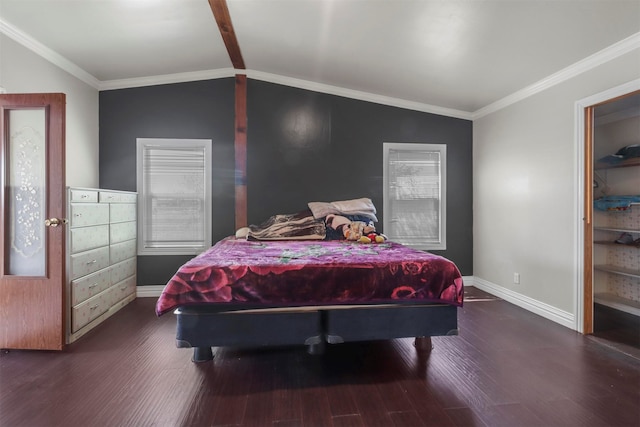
x=611 y=285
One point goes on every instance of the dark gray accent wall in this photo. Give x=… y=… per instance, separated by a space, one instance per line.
x=301 y=146
x=307 y=146
x=202 y=110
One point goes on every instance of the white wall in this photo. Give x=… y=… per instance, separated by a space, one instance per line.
x=525 y=191
x=23 y=71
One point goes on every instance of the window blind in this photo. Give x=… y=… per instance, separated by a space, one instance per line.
x=414 y=208
x=175 y=196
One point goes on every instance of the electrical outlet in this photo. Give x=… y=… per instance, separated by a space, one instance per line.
x=516 y=278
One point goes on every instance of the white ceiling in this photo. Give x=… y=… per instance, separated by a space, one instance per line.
x=454 y=54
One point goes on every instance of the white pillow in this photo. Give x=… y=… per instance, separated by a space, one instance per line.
x=355 y=205
x=363 y=206
x=242 y=233
x=322 y=209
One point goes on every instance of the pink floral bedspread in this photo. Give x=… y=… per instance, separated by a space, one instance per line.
x=304 y=273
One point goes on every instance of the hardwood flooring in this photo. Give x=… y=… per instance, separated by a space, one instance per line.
x=619 y=329
x=508 y=367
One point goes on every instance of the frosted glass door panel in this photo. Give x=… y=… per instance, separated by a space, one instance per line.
x=27 y=193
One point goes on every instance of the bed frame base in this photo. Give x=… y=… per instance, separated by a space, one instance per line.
x=423 y=343
x=202 y=354
x=205 y=354
x=202 y=328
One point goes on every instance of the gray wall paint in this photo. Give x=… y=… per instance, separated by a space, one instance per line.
x=308 y=146
x=301 y=146
x=203 y=109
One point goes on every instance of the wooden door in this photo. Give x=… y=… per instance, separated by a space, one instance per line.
x=587 y=326
x=32 y=198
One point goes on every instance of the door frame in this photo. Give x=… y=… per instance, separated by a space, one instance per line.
x=583 y=294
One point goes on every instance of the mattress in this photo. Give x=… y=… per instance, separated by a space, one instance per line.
x=255 y=274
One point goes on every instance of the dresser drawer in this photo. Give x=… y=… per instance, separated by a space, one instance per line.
x=84 y=288
x=90 y=309
x=86 y=214
x=121 y=251
x=123 y=289
x=101 y=259
x=83 y=196
x=122 y=270
x=122 y=212
x=122 y=231
x=83 y=239
x=88 y=262
x=116 y=197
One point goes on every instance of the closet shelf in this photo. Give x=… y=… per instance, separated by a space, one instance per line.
x=622 y=164
x=610 y=243
x=617 y=270
x=619 y=303
x=617 y=230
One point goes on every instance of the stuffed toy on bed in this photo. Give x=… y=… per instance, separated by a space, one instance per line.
x=360 y=231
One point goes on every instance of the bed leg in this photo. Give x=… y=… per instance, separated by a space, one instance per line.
x=202 y=354
x=315 y=345
x=423 y=343
x=317 y=349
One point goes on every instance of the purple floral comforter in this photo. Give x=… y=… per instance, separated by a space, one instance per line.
x=304 y=273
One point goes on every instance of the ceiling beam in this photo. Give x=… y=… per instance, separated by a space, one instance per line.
x=223 y=19
x=240 y=146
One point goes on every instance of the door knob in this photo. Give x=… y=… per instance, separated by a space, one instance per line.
x=54 y=222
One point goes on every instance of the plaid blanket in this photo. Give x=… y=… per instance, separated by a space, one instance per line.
x=297 y=226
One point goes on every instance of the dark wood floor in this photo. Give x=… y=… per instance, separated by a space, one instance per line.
x=620 y=328
x=508 y=367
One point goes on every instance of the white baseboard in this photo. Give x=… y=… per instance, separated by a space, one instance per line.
x=148 y=291
x=540 y=308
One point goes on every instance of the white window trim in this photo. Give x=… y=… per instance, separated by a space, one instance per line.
x=442 y=148
x=141 y=144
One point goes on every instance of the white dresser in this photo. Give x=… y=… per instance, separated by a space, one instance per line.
x=101 y=256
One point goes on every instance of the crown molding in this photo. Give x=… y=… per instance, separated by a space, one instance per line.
x=47 y=53
x=607 y=54
x=617 y=49
x=354 y=94
x=282 y=80
x=168 y=79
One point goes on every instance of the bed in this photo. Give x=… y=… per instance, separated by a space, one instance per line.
x=310 y=292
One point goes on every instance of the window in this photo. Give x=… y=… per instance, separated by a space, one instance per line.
x=174 y=192
x=415 y=194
